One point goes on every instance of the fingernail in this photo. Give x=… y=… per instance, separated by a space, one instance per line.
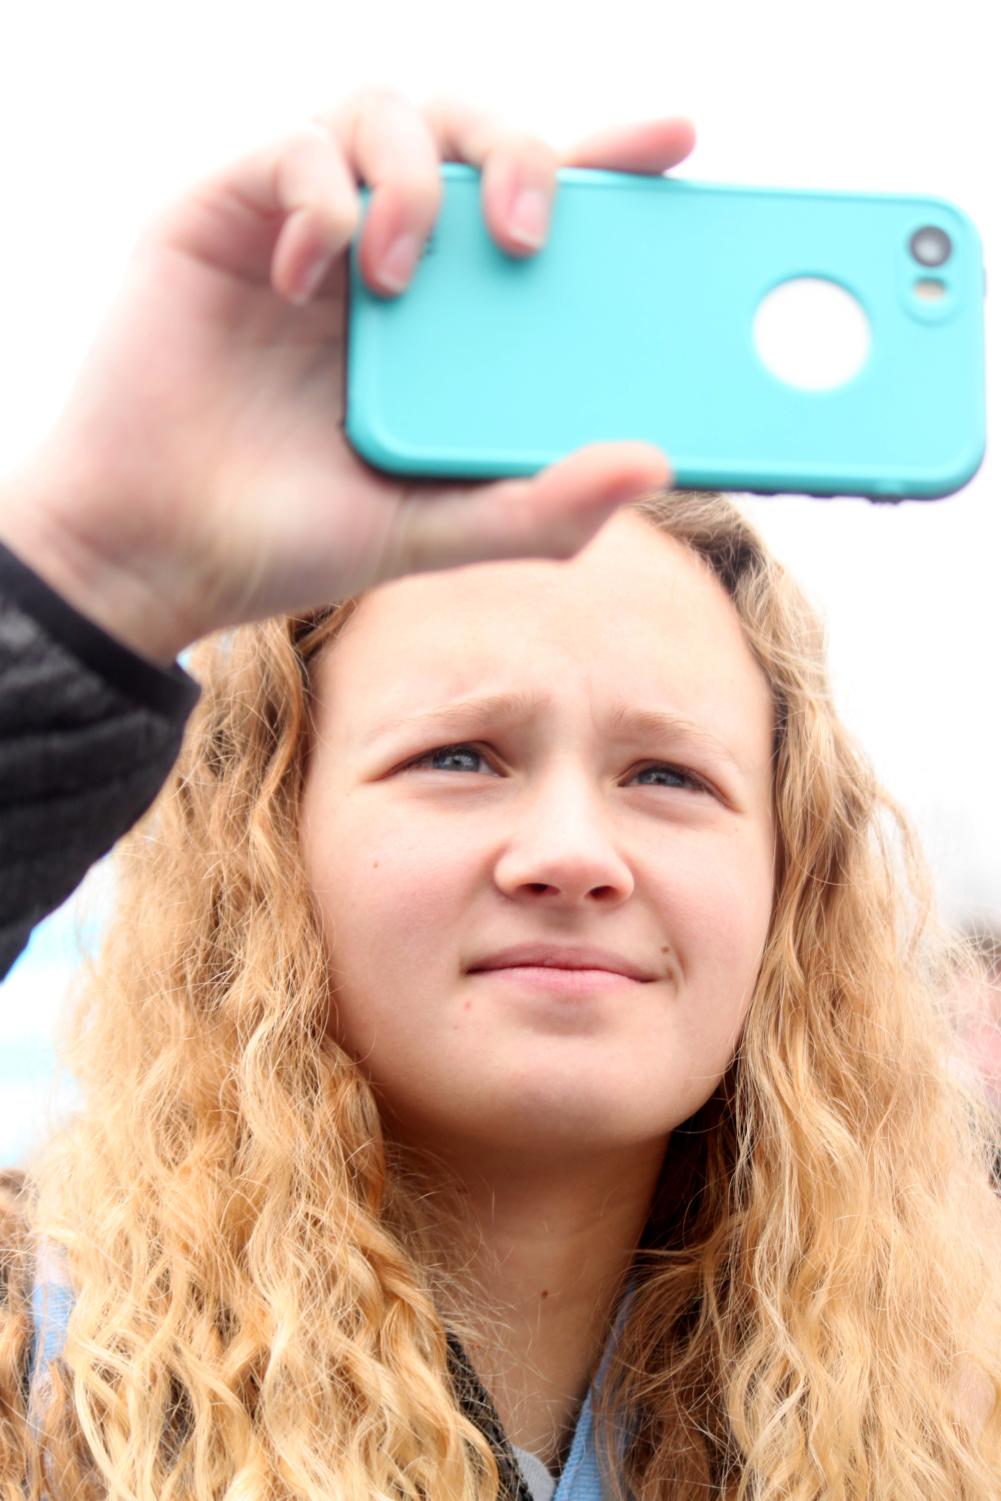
x=529 y=217
x=311 y=278
x=398 y=263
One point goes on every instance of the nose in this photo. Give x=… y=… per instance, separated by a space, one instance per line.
x=564 y=847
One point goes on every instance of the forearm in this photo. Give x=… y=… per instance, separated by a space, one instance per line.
x=90 y=578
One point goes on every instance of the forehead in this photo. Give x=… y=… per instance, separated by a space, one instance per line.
x=634 y=616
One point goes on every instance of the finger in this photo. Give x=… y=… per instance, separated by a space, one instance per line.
x=388 y=145
x=514 y=163
x=316 y=193
x=396 y=150
x=407 y=191
x=653 y=146
x=385 y=141
x=265 y=216
x=287 y=212
x=517 y=169
x=552 y=514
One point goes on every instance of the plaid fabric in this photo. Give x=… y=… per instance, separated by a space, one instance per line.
x=480 y=1410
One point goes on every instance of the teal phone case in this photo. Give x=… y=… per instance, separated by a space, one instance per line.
x=635 y=321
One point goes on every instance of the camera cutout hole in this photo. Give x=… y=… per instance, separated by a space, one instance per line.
x=811 y=333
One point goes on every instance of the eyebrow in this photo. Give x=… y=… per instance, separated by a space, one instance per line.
x=626 y=719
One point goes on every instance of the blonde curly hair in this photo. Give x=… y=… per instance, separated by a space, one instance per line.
x=817 y=1305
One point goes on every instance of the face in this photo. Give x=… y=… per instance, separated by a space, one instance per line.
x=437 y=831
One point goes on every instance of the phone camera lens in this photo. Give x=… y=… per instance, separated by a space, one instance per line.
x=930 y=245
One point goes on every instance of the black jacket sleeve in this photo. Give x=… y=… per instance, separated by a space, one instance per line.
x=88 y=732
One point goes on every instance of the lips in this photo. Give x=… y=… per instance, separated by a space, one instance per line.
x=562 y=956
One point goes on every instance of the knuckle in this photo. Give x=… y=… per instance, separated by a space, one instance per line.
x=305 y=169
x=422 y=196
x=314 y=127
x=353 y=114
x=342 y=221
x=466 y=128
x=446 y=109
x=531 y=150
x=308 y=143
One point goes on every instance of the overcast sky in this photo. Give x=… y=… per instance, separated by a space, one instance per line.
x=108 y=109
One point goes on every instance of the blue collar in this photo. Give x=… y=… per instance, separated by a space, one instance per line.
x=582 y=1478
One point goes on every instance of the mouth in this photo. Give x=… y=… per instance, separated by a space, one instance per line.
x=566 y=957
x=558 y=980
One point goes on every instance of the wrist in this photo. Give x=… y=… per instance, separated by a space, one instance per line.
x=34 y=506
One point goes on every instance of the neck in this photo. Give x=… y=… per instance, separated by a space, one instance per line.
x=531 y=1258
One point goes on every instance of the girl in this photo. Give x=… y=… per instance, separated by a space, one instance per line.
x=519 y=1062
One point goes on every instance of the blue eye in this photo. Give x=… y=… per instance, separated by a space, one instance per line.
x=444 y=750
x=676 y=777
x=680 y=778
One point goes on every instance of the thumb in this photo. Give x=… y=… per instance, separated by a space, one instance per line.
x=552 y=514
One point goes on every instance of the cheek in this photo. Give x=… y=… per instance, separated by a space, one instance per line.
x=717 y=899
x=396 y=886
x=391 y=908
x=716 y=909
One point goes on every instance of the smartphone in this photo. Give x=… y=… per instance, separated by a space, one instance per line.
x=643 y=317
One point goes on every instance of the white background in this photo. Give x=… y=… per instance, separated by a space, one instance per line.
x=109 y=108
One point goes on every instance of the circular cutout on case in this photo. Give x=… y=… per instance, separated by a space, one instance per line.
x=811 y=333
